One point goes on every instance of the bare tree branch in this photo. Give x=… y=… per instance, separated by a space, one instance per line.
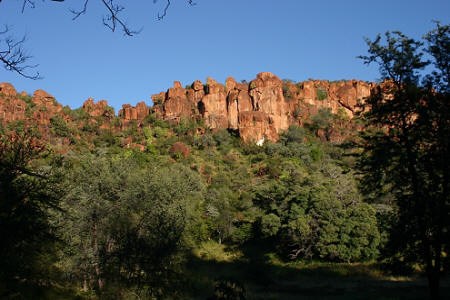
x=111 y=20
x=166 y=8
x=13 y=56
x=80 y=12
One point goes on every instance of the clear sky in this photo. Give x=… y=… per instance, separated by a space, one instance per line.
x=294 y=39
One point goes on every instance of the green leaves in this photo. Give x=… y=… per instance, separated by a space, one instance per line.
x=407 y=157
x=399 y=59
x=318 y=215
x=129 y=220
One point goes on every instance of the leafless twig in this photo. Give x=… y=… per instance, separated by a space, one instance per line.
x=14 y=57
x=166 y=8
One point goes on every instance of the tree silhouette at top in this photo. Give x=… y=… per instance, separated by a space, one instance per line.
x=406 y=149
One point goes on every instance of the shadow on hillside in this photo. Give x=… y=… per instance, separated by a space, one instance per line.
x=265 y=280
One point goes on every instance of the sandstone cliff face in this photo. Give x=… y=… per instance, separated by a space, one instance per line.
x=11 y=108
x=259 y=110
x=129 y=113
x=7 y=89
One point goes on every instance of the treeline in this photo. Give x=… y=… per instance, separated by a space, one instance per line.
x=117 y=220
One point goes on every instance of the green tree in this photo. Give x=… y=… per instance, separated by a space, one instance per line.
x=318 y=215
x=127 y=223
x=406 y=148
x=27 y=195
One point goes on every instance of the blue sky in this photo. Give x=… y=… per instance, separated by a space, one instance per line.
x=294 y=39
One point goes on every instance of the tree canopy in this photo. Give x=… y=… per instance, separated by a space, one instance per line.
x=406 y=151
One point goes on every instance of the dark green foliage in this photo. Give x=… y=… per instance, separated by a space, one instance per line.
x=323 y=119
x=155 y=121
x=78 y=114
x=204 y=141
x=129 y=222
x=17 y=126
x=287 y=92
x=29 y=103
x=158 y=101
x=407 y=157
x=106 y=138
x=321 y=94
x=59 y=126
x=243 y=232
x=185 y=126
x=297 y=111
x=228 y=289
x=90 y=126
x=320 y=215
x=130 y=219
x=294 y=134
x=27 y=196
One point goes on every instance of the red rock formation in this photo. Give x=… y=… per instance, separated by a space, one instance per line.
x=176 y=104
x=213 y=106
x=98 y=109
x=259 y=110
x=139 y=112
x=7 y=90
x=12 y=110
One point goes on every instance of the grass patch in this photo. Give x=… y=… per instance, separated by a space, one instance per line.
x=265 y=276
x=213 y=251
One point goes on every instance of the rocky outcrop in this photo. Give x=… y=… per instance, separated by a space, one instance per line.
x=98 y=109
x=261 y=109
x=128 y=112
x=176 y=104
x=8 y=90
x=258 y=111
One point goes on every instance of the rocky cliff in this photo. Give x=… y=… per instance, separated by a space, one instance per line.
x=258 y=110
x=262 y=108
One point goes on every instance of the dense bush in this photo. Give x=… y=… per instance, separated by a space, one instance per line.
x=59 y=126
x=321 y=94
x=318 y=215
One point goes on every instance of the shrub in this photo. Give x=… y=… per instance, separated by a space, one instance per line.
x=158 y=101
x=297 y=111
x=287 y=92
x=204 y=141
x=179 y=149
x=222 y=137
x=59 y=126
x=18 y=126
x=323 y=119
x=294 y=134
x=321 y=94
